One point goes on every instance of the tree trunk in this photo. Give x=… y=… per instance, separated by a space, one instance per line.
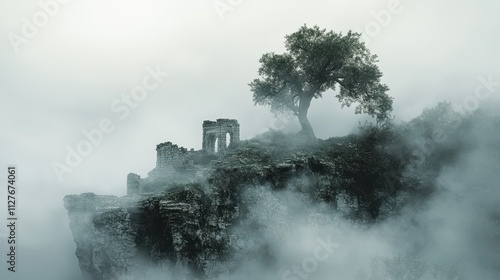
x=307 y=129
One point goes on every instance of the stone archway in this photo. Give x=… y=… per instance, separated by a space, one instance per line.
x=218 y=131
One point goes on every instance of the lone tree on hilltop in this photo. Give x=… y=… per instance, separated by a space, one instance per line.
x=315 y=61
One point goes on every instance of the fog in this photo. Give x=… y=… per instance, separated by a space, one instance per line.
x=451 y=235
x=66 y=77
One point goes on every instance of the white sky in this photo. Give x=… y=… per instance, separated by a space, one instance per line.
x=91 y=52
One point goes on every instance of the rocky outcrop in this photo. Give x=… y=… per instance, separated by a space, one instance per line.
x=188 y=224
x=191 y=222
x=104 y=234
x=203 y=215
x=114 y=236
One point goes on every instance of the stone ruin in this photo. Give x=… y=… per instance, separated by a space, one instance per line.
x=172 y=160
x=217 y=132
x=170 y=156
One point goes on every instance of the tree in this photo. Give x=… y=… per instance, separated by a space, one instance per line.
x=314 y=62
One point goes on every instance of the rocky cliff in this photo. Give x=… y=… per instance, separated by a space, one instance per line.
x=190 y=223
x=188 y=218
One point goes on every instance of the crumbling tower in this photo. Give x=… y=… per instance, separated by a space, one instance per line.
x=216 y=131
x=170 y=156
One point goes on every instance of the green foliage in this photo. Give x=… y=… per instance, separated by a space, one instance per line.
x=357 y=165
x=439 y=135
x=314 y=62
x=370 y=165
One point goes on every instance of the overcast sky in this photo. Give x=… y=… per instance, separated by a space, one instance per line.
x=65 y=78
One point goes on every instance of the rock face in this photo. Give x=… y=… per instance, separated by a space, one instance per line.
x=115 y=236
x=103 y=233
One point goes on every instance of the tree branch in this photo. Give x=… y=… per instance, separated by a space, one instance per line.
x=293 y=108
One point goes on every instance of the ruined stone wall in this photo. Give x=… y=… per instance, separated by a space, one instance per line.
x=169 y=155
x=174 y=163
x=216 y=131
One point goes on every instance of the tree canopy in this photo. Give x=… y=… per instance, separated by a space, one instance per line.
x=314 y=62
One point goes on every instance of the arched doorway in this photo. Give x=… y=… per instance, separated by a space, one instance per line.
x=228 y=139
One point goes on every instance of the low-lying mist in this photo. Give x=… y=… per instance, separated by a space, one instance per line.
x=444 y=227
